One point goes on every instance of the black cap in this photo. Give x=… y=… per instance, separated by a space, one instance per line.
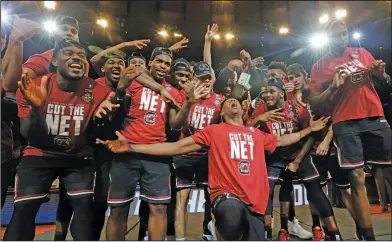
x=161 y=51
x=181 y=64
x=62 y=44
x=136 y=55
x=60 y=20
x=202 y=69
x=108 y=57
x=277 y=82
x=295 y=68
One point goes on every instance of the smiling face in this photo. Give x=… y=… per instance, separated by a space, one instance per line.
x=207 y=80
x=112 y=69
x=272 y=96
x=160 y=67
x=181 y=76
x=71 y=62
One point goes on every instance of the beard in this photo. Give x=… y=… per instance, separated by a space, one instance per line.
x=69 y=77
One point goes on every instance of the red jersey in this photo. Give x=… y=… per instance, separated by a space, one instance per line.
x=102 y=81
x=147 y=114
x=236 y=162
x=293 y=122
x=357 y=98
x=202 y=114
x=68 y=116
x=39 y=63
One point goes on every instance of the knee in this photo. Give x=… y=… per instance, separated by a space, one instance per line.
x=119 y=213
x=81 y=203
x=158 y=209
x=357 y=178
x=182 y=199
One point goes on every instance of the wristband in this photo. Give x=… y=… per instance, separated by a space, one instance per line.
x=118 y=97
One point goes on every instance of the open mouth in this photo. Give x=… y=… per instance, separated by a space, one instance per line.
x=116 y=74
x=76 y=67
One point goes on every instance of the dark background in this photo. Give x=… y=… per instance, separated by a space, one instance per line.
x=254 y=23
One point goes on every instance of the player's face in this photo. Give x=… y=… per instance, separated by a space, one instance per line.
x=297 y=79
x=207 y=79
x=231 y=108
x=112 y=69
x=71 y=62
x=181 y=76
x=137 y=63
x=66 y=31
x=276 y=73
x=339 y=36
x=272 y=95
x=160 y=67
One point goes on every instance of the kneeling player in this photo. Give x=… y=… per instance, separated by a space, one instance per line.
x=237 y=173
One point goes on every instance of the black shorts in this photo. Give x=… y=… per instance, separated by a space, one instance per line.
x=363 y=140
x=152 y=173
x=254 y=224
x=306 y=172
x=35 y=175
x=189 y=169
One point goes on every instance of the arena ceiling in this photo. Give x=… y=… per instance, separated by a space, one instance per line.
x=254 y=23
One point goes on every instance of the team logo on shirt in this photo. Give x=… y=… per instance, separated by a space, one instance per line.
x=88 y=94
x=149 y=118
x=168 y=87
x=354 y=70
x=63 y=142
x=244 y=167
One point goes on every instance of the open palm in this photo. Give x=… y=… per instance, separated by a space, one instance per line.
x=33 y=93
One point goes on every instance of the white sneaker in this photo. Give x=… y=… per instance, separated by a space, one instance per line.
x=296 y=230
x=211 y=228
x=146 y=237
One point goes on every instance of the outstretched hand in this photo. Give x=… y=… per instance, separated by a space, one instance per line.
x=319 y=124
x=35 y=95
x=106 y=107
x=120 y=145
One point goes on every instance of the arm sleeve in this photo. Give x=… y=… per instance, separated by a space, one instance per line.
x=203 y=137
x=38 y=64
x=270 y=141
x=23 y=105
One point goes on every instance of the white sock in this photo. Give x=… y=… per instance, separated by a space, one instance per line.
x=181 y=239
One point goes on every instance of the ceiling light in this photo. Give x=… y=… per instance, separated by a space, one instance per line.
x=229 y=36
x=341 y=13
x=163 y=33
x=103 y=23
x=323 y=18
x=50 y=4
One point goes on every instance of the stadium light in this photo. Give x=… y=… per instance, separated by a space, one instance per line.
x=4 y=16
x=50 y=26
x=229 y=36
x=340 y=13
x=163 y=33
x=319 y=40
x=102 y=22
x=323 y=18
x=283 y=30
x=357 y=35
x=50 y=4
x=177 y=35
x=217 y=37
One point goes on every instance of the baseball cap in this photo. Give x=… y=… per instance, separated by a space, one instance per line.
x=136 y=55
x=295 y=68
x=181 y=64
x=202 y=69
x=60 y=20
x=62 y=44
x=277 y=82
x=161 y=51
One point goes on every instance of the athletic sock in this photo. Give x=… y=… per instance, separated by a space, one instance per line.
x=283 y=222
x=59 y=237
x=181 y=239
x=268 y=232
x=291 y=212
x=325 y=230
x=316 y=220
x=367 y=233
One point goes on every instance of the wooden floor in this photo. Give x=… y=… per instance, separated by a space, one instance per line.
x=381 y=221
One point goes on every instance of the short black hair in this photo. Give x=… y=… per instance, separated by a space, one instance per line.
x=60 y=20
x=277 y=65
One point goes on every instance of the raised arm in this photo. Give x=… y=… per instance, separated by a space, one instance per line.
x=12 y=62
x=95 y=60
x=180 y=147
x=211 y=32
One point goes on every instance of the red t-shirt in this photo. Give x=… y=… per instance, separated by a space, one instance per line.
x=202 y=114
x=293 y=121
x=102 y=81
x=39 y=63
x=357 y=98
x=147 y=114
x=68 y=116
x=236 y=162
